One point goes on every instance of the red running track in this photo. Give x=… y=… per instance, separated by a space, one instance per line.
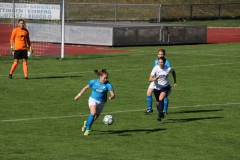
x=223 y=35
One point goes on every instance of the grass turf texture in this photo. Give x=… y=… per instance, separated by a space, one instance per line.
x=39 y=118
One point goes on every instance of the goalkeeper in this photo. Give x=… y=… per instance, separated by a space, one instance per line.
x=20 y=44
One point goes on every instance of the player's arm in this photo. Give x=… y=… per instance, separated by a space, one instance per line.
x=174 y=78
x=29 y=43
x=28 y=40
x=82 y=91
x=12 y=38
x=112 y=95
x=153 y=78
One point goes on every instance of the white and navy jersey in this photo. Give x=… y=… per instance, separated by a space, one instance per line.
x=167 y=63
x=162 y=81
x=99 y=90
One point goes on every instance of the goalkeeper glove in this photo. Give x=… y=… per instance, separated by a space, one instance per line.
x=30 y=50
x=11 y=50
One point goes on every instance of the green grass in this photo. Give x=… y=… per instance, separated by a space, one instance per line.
x=39 y=118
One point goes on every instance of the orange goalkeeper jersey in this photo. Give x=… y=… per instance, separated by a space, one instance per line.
x=20 y=39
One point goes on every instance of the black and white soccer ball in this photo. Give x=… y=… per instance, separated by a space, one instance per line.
x=108 y=119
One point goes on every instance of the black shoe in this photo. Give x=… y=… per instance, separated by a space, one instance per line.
x=165 y=113
x=10 y=76
x=148 y=111
x=26 y=78
x=160 y=116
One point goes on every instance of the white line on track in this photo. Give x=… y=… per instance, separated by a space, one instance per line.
x=206 y=65
x=85 y=115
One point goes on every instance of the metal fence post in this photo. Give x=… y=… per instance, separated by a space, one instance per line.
x=191 y=12
x=219 y=11
x=159 y=13
x=13 y=23
x=68 y=5
x=115 y=13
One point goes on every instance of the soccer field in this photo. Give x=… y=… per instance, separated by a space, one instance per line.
x=39 y=118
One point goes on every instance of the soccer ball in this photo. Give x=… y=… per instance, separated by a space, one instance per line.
x=108 y=119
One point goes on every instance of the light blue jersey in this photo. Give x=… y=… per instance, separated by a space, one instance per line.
x=167 y=63
x=99 y=90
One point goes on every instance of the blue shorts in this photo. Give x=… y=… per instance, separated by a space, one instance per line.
x=157 y=93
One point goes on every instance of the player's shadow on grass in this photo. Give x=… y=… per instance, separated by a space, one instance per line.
x=189 y=119
x=128 y=131
x=55 y=77
x=198 y=111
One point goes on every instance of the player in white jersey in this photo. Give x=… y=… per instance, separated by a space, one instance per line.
x=100 y=87
x=161 y=53
x=159 y=76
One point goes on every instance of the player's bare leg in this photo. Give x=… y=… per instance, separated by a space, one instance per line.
x=13 y=67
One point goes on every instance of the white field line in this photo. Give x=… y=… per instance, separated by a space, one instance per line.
x=85 y=115
x=204 y=65
x=143 y=53
x=207 y=65
x=215 y=55
x=193 y=53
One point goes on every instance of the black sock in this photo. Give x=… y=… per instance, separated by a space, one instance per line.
x=160 y=107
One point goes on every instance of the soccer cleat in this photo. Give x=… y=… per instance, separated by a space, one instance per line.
x=148 y=111
x=165 y=113
x=160 y=116
x=26 y=78
x=10 y=76
x=87 y=132
x=84 y=126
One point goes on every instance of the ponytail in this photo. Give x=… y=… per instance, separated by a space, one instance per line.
x=100 y=73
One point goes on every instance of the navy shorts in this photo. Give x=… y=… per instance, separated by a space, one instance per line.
x=157 y=93
x=20 y=54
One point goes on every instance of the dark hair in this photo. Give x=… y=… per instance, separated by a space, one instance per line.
x=100 y=73
x=162 y=50
x=21 y=20
x=163 y=59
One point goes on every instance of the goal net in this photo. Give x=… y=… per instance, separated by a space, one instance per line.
x=42 y=19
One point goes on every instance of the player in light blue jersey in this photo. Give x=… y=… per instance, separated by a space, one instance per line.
x=100 y=87
x=161 y=53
